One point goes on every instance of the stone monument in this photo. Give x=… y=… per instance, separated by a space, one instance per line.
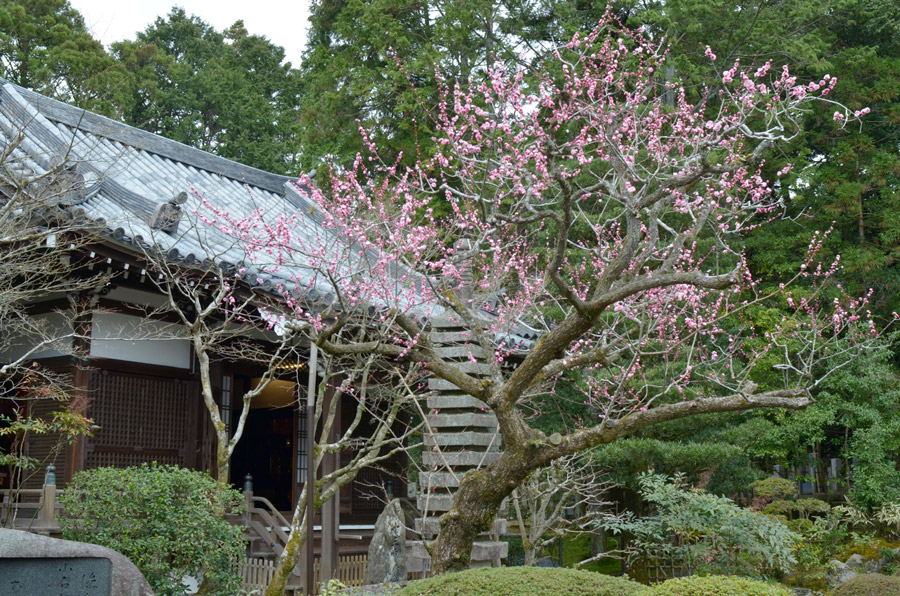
x=33 y=565
x=387 y=551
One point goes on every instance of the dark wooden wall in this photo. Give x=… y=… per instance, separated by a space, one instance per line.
x=142 y=418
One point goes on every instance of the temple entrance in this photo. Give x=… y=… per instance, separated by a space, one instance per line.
x=266 y=453
x=266 y=450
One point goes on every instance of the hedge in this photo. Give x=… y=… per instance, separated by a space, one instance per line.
x=870 y=584
x=717 y=585
x=523 y=581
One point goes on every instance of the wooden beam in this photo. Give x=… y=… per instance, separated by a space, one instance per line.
x=139 y=368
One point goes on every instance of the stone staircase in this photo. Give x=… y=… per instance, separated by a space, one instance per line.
x=463 y=437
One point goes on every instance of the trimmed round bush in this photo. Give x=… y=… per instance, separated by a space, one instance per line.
x=523 y=581
x=776 y=489
x=717 y=585
x=168 y=520
x=870 y=584
x=803 y=508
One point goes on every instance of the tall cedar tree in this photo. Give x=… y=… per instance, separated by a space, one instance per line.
x=45 y=46
x=230 y=93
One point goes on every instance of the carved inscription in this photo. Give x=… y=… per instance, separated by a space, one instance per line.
x=68 y=576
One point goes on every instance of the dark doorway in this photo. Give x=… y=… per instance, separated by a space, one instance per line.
x=266 y=453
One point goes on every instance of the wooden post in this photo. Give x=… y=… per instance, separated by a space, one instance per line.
x=328 y=553
x=248 y=497
x=331 y=511
x=47 y=514
x=310 y=582
x=248 y=509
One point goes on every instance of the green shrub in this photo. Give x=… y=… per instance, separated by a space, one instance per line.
x=803 y=508
x=870 y=584
x=776 y=489
x=523 y=581
x=169 y=521
x=717 y=585
x=706 y=532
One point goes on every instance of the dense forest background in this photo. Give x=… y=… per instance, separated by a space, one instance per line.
x=372 y=63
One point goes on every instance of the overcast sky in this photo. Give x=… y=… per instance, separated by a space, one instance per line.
x=284 y=22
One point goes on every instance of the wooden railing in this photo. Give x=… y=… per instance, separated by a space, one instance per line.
x=265 y=527
x=659 y=570
x=351 y=570
x=257 y=573
x=32 y=509
x=656 y=569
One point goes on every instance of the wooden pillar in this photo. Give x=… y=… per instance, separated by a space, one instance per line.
x=75 y=459
x=309 y=582
x=197 y=421
x=331 y=510
x=81 y=345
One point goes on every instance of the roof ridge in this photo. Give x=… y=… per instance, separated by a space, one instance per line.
x=88 y=121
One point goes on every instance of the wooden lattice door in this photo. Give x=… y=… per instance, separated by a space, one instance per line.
x=142 y=419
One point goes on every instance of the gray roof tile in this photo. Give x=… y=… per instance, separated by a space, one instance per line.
x=129 y=172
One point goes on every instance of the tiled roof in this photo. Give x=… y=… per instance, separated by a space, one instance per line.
x=129 y=172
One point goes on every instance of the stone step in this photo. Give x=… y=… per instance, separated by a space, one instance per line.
x=481 y=550
x=460 y=458
x=491 y=440
x=429 y=480
x=461 y=352
x=447 y=322
x=473 y=368
x=442 y=385
x=433 y=502
x=456 y=402
x=443 y=421
x=430 y=526
x=452 y=338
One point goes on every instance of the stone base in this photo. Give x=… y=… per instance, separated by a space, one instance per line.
x=430 y=527
x=481 y=551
